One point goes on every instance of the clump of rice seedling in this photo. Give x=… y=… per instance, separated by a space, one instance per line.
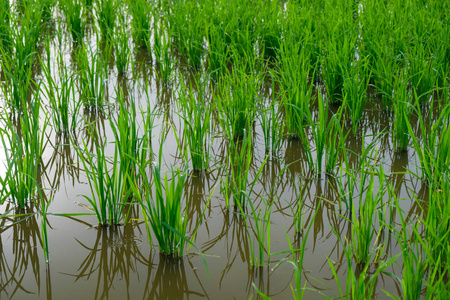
x=187 y=31
x=295 y=90
x=162 y=51
x=354 y=92
x=132 y=145
x=23 y=143
x=328 y=138
x=140 y=11
x=262 y=232
x=402 y=111
x=339 y=54
x=121 y=45
x=74 y=12
x=384 y=68
x=217 y=50
x=196 y=112
x=91 y=77
x=269 y=29
x=433 y=151
x=359 y=285
x=272 y=126
x=5 y=28
x=235 y=184
x=61 y=97
x=237 y=100
x=106 y=15
x=107 y=184
x=162 y=211
x=363 y=230
x=414 y=262
x=422 y=72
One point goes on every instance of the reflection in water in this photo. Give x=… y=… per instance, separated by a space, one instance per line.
x=170 y=281
x=22 y=273
x=113 y=257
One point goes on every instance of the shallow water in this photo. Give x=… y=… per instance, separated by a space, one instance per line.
x=121 y=263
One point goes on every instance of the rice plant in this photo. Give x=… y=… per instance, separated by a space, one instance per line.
x=235 y=185
x=121 y=45
x=414 y=261
x=261 y=230
x=162 y=212
x=295 y=88
x=132 y=143
x=75 y=18
x=23 y=142
x=237 y=101
x=339 y=54
x=140 y=11
x=422 y=72
x=187 y=31
x=91 y=77
x=328 y=138
x=402 y=111
x=196 y=112
x=61 y=97
x=106 y=12
x=384 y=69
x=162 y=51
x=354 y=92
x=364 y=236
x=433 y=150
x=108 y=197
x=270 y=117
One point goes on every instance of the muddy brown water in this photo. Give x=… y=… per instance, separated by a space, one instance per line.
x=87 y=262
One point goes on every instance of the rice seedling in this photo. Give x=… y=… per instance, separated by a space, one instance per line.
x=140 y=11
x=354 y=91
x=328 y=138
x=163 y=211
x=23 y=143
x=339 y=54
x=61 y=97
x=261 y=230
x=402 y=112
x=363 y=230
x=270 y=29
x=196 y=112
x=414 y=262
x=297 y=262
x=132 y=144
x=107 y=184
x=75 y=18
x=217 y=50
x=334 y=143
x=362 y=285
x=422 y=72
x=384 y=69
x=433 y=150
x=272 y=125
x=91 y=77
x=106 y=12
x=162 y=51
x=235 y=184
x=295 y=90
x=5 y=27
x=121 y=45
x=187 y=31
x=237 y=100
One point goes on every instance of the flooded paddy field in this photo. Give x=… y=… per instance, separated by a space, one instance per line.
x=224 y=149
